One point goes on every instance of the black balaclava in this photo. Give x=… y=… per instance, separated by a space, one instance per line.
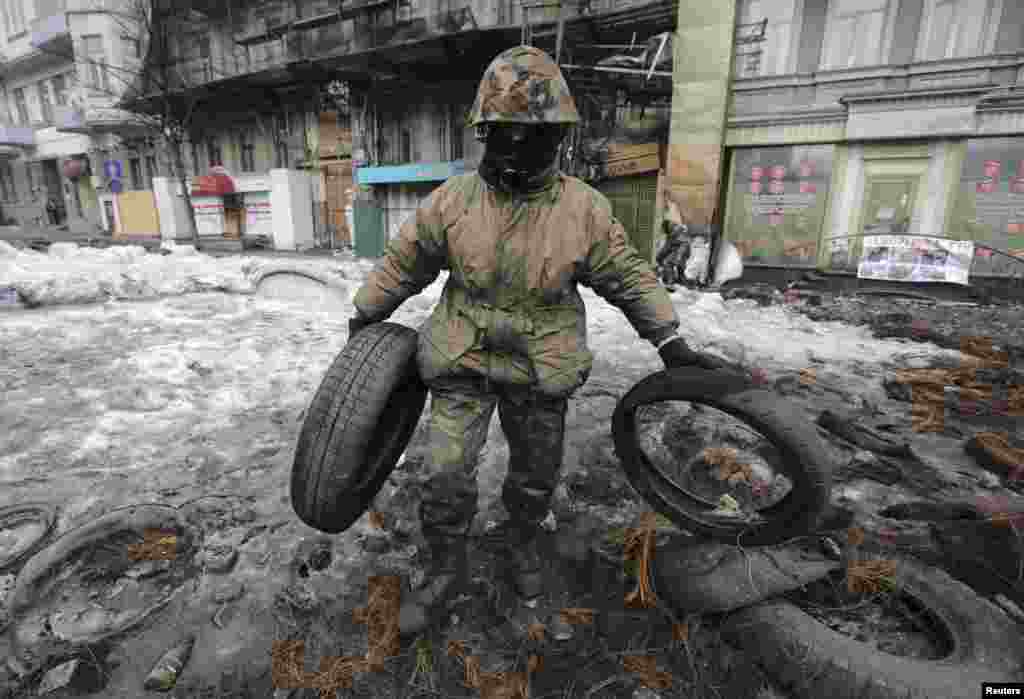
x=521 y=158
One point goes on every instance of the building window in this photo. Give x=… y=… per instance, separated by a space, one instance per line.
x=406 y=146
x=151 y=169
x=195 y=158
x=7 y=181
x=957 y=28
x=773 y=55
x=21 y=104
x=95 y=68
x=135 y=165
x=132 y=47
x=213 y=156
x=775 y=210
x=60 y=90
x=247 y=150
x=856 y=33
x=14 y=16
x=44 y=101
x=987 y=208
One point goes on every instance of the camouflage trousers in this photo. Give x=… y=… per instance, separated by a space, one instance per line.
x=460 y=414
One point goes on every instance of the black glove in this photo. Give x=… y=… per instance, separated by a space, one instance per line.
x=676 y=354
x=357 y=323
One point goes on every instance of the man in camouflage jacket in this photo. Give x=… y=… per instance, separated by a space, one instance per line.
x=509 y=331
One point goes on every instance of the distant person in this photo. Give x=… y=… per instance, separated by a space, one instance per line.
x=52 y=215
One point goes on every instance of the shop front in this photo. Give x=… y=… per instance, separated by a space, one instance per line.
x=914 y=211
x=232 y=207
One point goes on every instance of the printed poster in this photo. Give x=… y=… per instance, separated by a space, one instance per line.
x=258 y=218
x=904 y=258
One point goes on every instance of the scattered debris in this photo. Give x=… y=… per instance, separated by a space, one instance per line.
x=228 y=592
x=711 y=577
x=167 y=669
x=1011 y=608
x=219 y=559
x=993 y=451
x=199 y=368
x=58 y=677
x=850 y=429
x=870 y=576
x=727 y=506
x=764 y=294
x=867 y=464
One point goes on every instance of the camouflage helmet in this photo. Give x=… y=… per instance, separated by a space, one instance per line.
x=523 y=86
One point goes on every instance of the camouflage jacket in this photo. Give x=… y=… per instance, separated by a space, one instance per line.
x=511 y=310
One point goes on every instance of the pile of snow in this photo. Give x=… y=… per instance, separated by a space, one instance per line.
x=739 y=330
x=743 y=331
x=69 y=274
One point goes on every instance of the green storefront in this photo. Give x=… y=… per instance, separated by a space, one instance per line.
x=809 y=206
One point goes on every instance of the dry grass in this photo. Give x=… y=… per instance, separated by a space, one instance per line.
x=928 y=385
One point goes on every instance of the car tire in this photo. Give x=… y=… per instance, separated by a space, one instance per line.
x=808 y=659
x=15 y=514
x=358 y=424
x=804 y=454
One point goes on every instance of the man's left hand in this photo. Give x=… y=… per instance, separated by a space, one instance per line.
x=677 y=354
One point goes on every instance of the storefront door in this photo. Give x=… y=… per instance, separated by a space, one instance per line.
x=889 y=205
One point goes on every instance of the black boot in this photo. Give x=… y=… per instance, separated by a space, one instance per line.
x=531 y=606
x=445 y=578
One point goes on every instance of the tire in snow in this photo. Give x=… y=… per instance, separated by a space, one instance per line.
x=358 y=424
x=802 y=452
x=15 y=515
x=810 y=660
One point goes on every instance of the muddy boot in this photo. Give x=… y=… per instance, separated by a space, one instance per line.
x=445 y=578
x=529 y=587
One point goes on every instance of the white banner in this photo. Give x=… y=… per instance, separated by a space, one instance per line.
x=905 y=258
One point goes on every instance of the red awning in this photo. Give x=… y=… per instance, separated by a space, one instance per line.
x=216 y=184
x=75 y=167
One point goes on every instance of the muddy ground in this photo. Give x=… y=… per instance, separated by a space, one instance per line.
x=228 y=472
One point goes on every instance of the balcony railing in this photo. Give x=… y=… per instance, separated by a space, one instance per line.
x=22 y=136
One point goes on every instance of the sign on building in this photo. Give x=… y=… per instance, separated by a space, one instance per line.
x=258 y=218
x=904 y=258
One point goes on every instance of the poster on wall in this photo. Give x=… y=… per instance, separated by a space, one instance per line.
x=209 y=215
x=903 y=258
x=258 y=219
x=989 y=207
x=777 y=203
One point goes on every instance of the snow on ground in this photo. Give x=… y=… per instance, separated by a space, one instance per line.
x=207 y=381
x=132 y=382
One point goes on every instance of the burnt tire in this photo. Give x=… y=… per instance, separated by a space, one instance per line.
x=44 y=514
x=804 y=457
x=358 y=424
x=808 y=659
